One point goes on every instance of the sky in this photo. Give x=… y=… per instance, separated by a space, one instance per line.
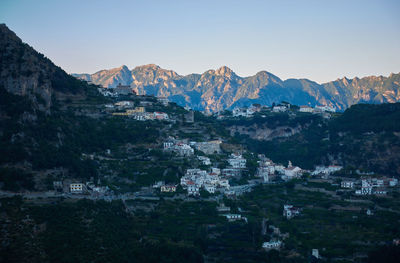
x=321 y=40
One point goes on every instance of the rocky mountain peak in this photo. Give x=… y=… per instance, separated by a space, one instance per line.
x=6 y=33
x=151 y=67
x=224 y=71
x=123 y=68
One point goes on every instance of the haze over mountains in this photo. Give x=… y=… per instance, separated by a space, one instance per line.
x=221 y=89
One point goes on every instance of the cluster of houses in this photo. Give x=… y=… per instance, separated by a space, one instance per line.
x=127 y=107
x=369 y=186
x=180 y=147
x=268 y=170
x=376 y=186
x=81 y=188
x=185 y=148
x=117 y=91
x=246 y=112
x=127 y=90
x=237 y=161
x=216 y=179
x=138 y=113
x=283 y=107
x=196 y=179
x=236 y=165
x=325 y=171
x=231 y=217
x=317 y=109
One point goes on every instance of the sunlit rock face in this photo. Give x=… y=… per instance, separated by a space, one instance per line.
x=220 y=89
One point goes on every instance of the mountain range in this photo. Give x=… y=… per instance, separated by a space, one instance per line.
x=221 y=89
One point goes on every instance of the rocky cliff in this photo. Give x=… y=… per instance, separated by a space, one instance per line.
x=25 y=72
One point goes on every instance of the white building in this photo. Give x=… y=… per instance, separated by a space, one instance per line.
x=237 y=161
x=315 y=253
x=209 y=188
x=205 y=160
x=289 y=211
x=393 y=182
x=326 y=108
x=183 y=149
x=306 y=109
x=168 y=188
x=195 y=179
x=279 y=168
x=279 y=108
x=233 y=217
x=292 y=172
x=326 y=170
x=76 y=188
x=168 y=145
x=192 y=189
x=224 y=183
x=366 y=187
x=347 y=184
x=272 y=245
x=244 y=112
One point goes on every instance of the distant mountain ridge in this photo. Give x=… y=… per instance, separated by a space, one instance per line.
x=220 y=89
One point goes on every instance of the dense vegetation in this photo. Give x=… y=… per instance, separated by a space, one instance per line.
x=364 y=136
x=84 y=232
x=363 y=118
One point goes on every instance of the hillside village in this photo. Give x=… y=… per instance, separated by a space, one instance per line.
x=218 y=174
x=216 y=169
x=157 y=167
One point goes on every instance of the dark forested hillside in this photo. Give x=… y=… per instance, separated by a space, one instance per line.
x=364 y=136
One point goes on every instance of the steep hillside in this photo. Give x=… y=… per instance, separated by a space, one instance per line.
x=364 y=137
x=49 y=118
x=220 y=89
x=25 y=72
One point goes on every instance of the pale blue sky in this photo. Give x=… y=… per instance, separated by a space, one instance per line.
x=320 y=40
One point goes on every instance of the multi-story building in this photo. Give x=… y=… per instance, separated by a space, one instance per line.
x=168 y=188
x=237 y=161
x=306 y=109
x=289 y=211
x=76 y=188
